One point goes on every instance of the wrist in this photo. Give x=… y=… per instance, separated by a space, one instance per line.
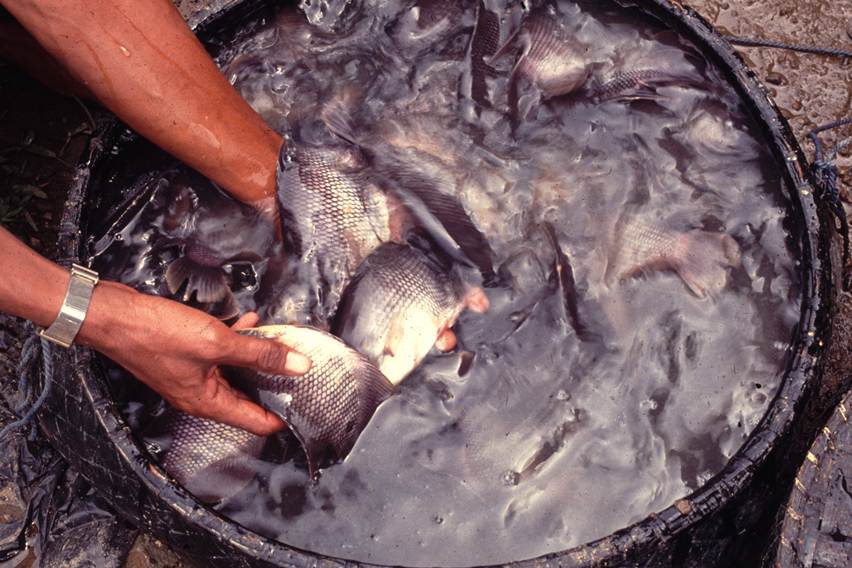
x=109 y=316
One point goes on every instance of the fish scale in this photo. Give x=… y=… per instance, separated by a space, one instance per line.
x=700 y=258
x=328 y=208
x=329 y=406
x=399 y=291
x=208 y=457
x=550 y=61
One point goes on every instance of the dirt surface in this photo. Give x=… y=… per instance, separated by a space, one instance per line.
x=42 y=135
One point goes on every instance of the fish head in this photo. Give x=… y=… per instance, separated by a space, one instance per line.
x=556 y=77
x=329 y=406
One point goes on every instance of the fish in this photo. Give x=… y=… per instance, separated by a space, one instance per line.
x=552 y=61
x=210 y=459
x=332 y=219
x=327 y=408
x=700 y=258
x=484 y=43
x=562 y=277
x=212 y=235
x=636 y=84
x=398 y=305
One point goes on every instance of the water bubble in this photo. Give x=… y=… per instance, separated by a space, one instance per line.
x=510 y=478
x=279 y=84
x=487 y=354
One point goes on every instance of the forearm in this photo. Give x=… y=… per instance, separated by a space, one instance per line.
x=143 y=63
x=19 y=47
x=33 y=288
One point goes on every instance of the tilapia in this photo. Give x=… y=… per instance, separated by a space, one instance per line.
x=327 y=408
x=332 y=220
x=399 y=303
x=701 y=258
x=484 y=43
x=551 y=60
x=637 y=84
x=210 y=459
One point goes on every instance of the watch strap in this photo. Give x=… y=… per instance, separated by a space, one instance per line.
x=74 y=307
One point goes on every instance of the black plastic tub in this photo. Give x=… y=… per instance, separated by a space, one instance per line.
x=700 y=530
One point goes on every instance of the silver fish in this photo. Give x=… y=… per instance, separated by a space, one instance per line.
x=637 y=84
x=332 y=218
x=700 y=258
x=210 y=459
x=550 y=59
x=398 y=305
x=327 y=408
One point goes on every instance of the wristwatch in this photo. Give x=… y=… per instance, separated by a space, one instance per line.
x=71 y=316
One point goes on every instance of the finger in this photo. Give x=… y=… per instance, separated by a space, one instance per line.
x=265 y=355
x=232 y=407
x=476 y=300
x=246 y=321
x=447 y=341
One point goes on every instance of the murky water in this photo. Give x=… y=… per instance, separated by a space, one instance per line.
x=528 y=439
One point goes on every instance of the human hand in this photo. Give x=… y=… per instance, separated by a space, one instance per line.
x=177 y=351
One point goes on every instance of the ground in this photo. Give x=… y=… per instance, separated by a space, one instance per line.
x=43 y=134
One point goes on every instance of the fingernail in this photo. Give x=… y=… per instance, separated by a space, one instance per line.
x=298 y=363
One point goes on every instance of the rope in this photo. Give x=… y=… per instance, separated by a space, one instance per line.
x=749 y=42
x=25 y=372
x=826 y=177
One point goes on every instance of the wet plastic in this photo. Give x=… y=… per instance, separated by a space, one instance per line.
x=86 y=427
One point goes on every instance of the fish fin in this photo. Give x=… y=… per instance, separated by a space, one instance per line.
x=338 y=120
x=507 y=46
x=638 y=85
x=702 y=260
x=394 y=338
x=446 y=341
x=442 y=216
x=563 y=273
x=226 y=309
x=207 y=284
x=514 y=99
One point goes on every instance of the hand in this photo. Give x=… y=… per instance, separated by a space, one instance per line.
x=177 y=350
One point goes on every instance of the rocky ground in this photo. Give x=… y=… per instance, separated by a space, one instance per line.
x=43 y=134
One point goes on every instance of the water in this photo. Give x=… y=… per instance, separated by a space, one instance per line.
x=527 y=439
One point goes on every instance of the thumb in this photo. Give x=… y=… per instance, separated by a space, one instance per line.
x=266 y=355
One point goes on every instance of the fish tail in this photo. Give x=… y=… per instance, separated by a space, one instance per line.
x=204 y=284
